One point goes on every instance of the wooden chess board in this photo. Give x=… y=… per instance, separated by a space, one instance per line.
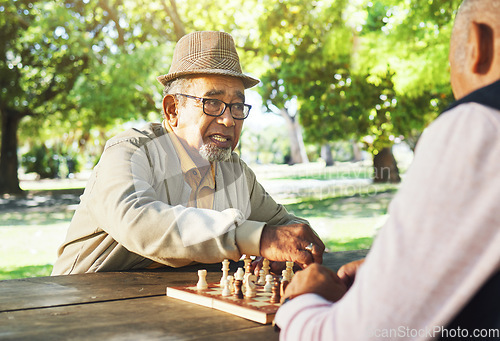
x=257 y=309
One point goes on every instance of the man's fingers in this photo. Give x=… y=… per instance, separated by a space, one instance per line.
x=317 y=253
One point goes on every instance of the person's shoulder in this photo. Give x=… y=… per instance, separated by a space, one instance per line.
x=467 y=118
x=138 y=136
x=473 y=113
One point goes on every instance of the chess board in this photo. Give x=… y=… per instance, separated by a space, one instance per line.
x=257 y=309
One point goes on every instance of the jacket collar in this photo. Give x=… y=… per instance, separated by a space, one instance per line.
x=488 y=96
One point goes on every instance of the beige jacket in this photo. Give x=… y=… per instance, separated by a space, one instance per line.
x=135 y=211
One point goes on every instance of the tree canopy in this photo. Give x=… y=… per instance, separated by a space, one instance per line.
x=367 y=70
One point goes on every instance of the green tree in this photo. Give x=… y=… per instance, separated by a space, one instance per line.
x=38 y=62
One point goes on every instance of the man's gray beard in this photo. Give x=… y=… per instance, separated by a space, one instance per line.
x=211 y=153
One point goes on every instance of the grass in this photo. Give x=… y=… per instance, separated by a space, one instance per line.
x=347 y=222
x=30 y=242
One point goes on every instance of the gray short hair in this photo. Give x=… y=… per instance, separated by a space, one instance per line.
x=178 y=85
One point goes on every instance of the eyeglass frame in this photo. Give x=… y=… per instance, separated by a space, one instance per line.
x=226 y=105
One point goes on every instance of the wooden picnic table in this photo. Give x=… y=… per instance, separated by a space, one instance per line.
x=125 y=306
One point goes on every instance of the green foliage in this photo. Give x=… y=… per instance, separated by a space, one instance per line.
x=269 y=145
x=53 y=162
x=73 y=69
x=25 y=271
x=381 y=74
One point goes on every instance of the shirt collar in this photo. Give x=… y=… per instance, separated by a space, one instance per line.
x=488 y=96
x=187 y=163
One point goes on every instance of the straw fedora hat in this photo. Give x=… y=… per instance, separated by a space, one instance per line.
x=206 y=53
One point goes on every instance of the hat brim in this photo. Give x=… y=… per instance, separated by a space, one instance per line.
x=248 y=81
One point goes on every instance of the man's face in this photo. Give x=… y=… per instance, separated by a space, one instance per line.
x=213 y=135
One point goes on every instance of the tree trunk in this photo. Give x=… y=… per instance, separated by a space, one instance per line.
x=385 y=167
x=9 y=181
x=356 y=151
x=297 y=149
x=326 y=154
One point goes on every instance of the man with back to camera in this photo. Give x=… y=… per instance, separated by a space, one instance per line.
x=433 y=271
x=173 y=194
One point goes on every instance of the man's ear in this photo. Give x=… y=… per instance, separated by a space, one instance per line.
x=483 y=41
x=170 y=110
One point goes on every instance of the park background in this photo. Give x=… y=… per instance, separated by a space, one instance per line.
x=347 y=89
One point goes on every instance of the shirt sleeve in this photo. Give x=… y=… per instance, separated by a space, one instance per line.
x=438 y=246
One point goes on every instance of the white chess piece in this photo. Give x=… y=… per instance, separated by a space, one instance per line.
x=202 y=280
x=289 y=268
x=265 y=266
x=247 y=262
x=269 y=283
x=286 y=275
x=250 y=289
x=239 y=274
x=226 y=291
x=225 y=271
x=262 y=278
x=230 y=279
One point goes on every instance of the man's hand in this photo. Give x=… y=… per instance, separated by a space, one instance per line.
x=316 y=279
x=291 y=243
x=347 y=273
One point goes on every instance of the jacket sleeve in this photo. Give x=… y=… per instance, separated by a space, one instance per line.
x=126 y=202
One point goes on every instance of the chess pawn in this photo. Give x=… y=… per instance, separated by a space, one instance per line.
x=202 y=280
x=226 y=291
x=225 y=271
x=238 y=293
x=239 y=274
x=230 y=279
x=284 y=282
x=275 y=297
x=265 y=266
x=289 y=268
x=269 y=283
x=262 y=278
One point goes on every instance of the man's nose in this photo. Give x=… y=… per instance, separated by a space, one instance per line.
x=226 y=118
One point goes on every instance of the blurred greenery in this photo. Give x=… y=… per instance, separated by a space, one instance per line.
x=25 y=271
x=74 y=71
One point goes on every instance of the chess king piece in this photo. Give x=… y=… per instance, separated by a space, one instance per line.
x=262 y=278
x=202 y=280
x=225 y=271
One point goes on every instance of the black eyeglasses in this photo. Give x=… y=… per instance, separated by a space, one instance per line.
x=216 y=107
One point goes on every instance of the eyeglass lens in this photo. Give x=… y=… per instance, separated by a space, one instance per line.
x=215 y=107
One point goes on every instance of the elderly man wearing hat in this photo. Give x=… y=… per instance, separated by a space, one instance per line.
x=173 y=194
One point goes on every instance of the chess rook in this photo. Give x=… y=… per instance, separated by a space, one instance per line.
x=202 y=280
